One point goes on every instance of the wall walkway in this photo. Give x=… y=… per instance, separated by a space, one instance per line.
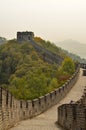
x=13 y=110
x=46 y=120
x=72 y=116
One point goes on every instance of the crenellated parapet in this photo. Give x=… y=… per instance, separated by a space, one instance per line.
x=72 y=116
x=83 y=65
x=12 y=110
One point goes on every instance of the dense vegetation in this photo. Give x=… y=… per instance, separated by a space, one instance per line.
x=26 y=75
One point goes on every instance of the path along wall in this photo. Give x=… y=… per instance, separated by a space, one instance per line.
x=13 y=110
x=73 y=116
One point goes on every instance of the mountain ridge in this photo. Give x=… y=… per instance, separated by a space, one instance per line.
x=73 y=46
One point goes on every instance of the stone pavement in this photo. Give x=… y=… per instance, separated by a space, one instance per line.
x=47 y=120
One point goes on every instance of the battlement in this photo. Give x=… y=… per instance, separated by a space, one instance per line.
x=72 y=116
x=12 y=110
x=25 y=36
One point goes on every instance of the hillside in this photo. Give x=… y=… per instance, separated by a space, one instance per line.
x=50 y=46
x=25 y=72
x=74 y=47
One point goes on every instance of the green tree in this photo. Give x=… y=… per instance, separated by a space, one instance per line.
x=53 y=84
x=68 y=66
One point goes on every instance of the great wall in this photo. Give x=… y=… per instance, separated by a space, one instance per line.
x=13 y=110
x=47 y=55
x=70 y=116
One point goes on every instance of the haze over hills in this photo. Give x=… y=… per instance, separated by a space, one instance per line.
x=2 y=40
x=73 y=47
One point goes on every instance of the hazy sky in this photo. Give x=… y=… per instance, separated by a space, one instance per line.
x=54 y=20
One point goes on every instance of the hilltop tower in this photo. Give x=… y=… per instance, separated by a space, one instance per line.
x=24 y=36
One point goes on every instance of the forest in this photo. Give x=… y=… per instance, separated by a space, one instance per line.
x=24 y=72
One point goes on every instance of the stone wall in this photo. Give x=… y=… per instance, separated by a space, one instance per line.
x=13 y=110
x=47 y=55
x=73 y=116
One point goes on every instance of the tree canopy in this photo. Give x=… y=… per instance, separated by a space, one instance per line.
x=24 y=72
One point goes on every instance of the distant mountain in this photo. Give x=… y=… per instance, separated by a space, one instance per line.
x=73 y=47
x=2 y=40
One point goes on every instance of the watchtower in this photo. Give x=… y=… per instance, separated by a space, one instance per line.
x=25 y=36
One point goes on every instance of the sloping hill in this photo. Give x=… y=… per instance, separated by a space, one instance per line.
x=48 y=56
x=25 y=71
